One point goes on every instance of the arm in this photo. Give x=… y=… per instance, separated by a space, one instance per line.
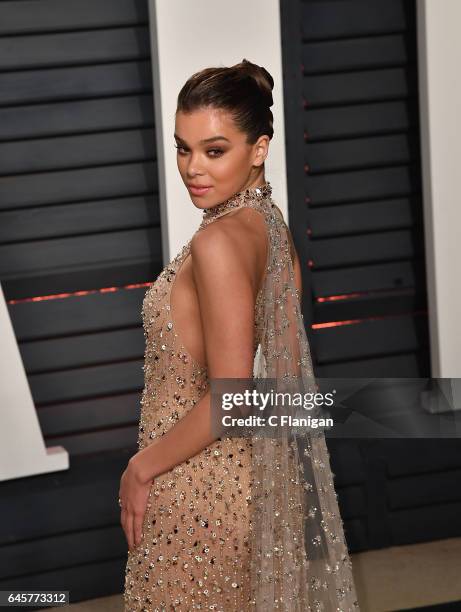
x=224 y=281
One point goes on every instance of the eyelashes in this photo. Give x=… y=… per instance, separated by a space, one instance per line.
x=216 y=152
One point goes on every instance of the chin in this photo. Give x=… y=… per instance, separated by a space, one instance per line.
x=197 y=203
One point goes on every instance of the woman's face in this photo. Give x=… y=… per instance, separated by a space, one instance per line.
x=214 y=155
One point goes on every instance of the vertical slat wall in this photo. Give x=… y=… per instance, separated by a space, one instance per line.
x=79 y=221
x=78 y=208
x=353 y=150
x=77 y=156
x=359 y=176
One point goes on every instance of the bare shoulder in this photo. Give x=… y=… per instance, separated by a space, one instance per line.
x=236 y=241
x=243 y=226
x=213 y=247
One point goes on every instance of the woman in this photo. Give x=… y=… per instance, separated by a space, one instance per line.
x=227 y=523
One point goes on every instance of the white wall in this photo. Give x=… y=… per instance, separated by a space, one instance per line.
x=22 y=448
x=439 y=49
x=186 y=37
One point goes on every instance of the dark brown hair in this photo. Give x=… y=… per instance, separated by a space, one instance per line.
x=245 y=90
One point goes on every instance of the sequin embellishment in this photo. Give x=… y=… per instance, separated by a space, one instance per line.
x=195 y=550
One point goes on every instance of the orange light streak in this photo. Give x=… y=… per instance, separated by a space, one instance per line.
x=336 y=298
x=61 y=296
x=365 y=319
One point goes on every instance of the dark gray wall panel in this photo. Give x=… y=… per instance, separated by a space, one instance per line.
x=351 y=281
x=82 y=350
x=357 y=153
x=98 y=149
x=73 y=48
x=76 y=185
x=352 y=87
x=331 y=19
x=362 y=217
x=88 y=252
x=102 y=441
x=71 y=418
x=21 y=16
x=361 y=119
x=356 y=185
x=380 y=51
x=355 y=206
x=76 y=116
x=79 y=506
x=30 y=86
x=84 y=382
x=368 y=339
x=92 y=312
x=423 y=524
x=350 y=250
x=62 y=510
x=80 y=243
x=352 y=94
x=80 y=580
x=84 y=217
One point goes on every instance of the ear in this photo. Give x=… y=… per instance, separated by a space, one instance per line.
x=261 y=150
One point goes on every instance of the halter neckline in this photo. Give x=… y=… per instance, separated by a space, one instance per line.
x=251 y=196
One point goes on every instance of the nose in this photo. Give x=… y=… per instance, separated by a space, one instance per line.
x=194 y=167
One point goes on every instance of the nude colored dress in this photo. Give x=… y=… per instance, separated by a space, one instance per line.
x=194 y=552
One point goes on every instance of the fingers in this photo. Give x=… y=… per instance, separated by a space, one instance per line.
x=132 y=526
x=127 y=524
x=133 y=509
x=123 y=520
x=130 y=530
x=137 y=528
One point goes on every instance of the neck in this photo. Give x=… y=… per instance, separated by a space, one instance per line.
x=255 y=195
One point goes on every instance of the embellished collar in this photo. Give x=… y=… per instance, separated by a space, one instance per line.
x=251 y=196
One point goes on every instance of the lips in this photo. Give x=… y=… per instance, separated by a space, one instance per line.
x=198 y=189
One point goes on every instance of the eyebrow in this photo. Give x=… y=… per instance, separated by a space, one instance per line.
x=205 y=140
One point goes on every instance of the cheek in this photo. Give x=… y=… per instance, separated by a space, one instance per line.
x=228 y=167
x=228 y=170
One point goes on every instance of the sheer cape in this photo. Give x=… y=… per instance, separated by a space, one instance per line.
x=299 y=557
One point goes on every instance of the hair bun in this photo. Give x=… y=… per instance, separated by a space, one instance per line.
x=244 y=90
x=262 y=77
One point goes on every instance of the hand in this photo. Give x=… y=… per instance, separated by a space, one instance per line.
x=133 y=493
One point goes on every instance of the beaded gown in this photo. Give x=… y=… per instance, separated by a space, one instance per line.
x=195 y=552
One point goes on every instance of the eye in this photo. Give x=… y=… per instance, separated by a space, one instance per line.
x=217 y=151
x=211 y=152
